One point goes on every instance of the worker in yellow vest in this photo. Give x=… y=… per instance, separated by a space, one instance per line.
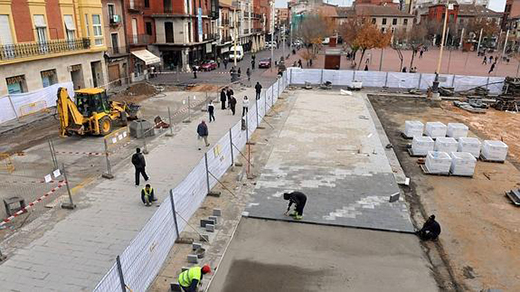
x=147 y=195
x=190 y=278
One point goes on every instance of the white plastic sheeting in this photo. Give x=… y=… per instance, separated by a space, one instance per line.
x=39 y=99
x=298 y=76
x=143 y=258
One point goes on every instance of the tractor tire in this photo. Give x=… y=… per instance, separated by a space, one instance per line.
x=105 y=126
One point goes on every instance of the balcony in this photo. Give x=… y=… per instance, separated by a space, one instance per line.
x=135 y=6
x=210 y=36
x=139 y=40
x=17 y=51
x=226 y=39
x=116 y=51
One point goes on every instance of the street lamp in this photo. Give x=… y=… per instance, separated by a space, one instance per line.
x=435 y=86
x=272 y=35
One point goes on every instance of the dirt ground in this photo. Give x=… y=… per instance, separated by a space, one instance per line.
x=480 y=240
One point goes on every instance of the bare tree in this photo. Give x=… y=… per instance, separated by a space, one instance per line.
x=370 y=37
x=349 y=31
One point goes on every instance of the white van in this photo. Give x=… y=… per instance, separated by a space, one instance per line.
x=240 y=53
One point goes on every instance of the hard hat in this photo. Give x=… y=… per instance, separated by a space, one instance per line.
x=206 y=269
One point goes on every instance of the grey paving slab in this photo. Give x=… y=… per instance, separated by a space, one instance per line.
x=75 y=253
x=329 y=148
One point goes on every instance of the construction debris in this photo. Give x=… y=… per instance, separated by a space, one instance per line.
x=468 y=107
x=507 y=103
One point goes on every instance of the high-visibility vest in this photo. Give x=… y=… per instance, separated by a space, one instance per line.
x=147 y=194
x=186 y=277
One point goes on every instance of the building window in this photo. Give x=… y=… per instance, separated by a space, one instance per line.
x=383 y=30
x=384 y=21
x=41 y=28
x=373 y=21
x=49 y=77
x=146 y=3
x=98 y=30
x=70 y=28
x=111 y=11
x=135 y=38
x=6 y=37
x=115 y=42
x=87 y=25
x=405 y=21
x=149 y=30
x=168 y=31
x=16 y=84
x=394 y=21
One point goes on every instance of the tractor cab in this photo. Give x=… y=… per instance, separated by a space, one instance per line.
x=92 y=100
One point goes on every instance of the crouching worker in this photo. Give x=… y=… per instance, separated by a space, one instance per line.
x=430 y=230
x=147 y=195
x=190 y=279
x=297 y=198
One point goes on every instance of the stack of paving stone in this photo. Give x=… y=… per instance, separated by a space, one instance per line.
x=422 y=145
x=470 y=145
x=438 y=162
x=435 y=130
x=446 y=144
x=493 y=150
x=457 y=130
x=462 y=163
x=413 y=129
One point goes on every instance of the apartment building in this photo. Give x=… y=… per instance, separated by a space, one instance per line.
x=116 y=56
x=44 y=42
x=185 y=31
x=224 y=29
x=386 y=18
x=281 y=17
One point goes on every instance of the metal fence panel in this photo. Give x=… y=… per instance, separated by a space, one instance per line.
x=110 y=282
x=371 y=78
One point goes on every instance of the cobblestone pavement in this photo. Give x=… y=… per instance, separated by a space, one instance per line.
x=329 y=149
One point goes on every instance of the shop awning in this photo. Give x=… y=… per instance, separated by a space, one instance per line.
x=147 y=57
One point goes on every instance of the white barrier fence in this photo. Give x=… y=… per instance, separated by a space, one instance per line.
x=395 y=80
x=21 y=104
x=140 y=262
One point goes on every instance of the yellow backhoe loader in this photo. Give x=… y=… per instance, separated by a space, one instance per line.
x=91 y=113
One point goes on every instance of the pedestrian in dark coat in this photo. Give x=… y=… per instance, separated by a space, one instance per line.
x=223 y=98
x=229 y=94
x=248 y=73
x=492 y=68
x=139 y=164
x=258 y=89
x=431 y=229
x=232 y=104
x=211 y=111
x=202 y=131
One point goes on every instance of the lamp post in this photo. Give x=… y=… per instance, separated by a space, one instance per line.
x=272 y=34
x=435 y=86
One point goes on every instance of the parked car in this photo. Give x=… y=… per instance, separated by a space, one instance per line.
x=271 y=44
x=265 y=63
x=209 y=65
x=325 y=41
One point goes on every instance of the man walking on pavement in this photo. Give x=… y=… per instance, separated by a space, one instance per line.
x=202 y=131
x=211 y=111
x=492 y=68
x=258 y=89
x=225 y=64
x=297 y=198
x=191 y=278
x=248 y=73
x=253 y=64
x=229 y=95
x=218 y=62
x=232 y=104
x=139 y=164
x=147 y=195
x=223 y=98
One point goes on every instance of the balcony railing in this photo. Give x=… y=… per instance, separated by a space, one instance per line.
x=116 y=51
x=139 y=39
x=226 y=39
x=15 y=51
x=210 y=36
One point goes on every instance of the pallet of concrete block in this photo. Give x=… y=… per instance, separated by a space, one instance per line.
x=469 y=145
x=457 y=130
x=421 y=146
x=413 y=129
x=462 y=164
x=493 y=151
x=446 y=144
x=435 y=130
x=437 y=162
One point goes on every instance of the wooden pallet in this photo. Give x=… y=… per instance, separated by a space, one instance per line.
x=405 y=137
x=425 y=171
x=459 y=175
x=481 y=158
x=413 y=155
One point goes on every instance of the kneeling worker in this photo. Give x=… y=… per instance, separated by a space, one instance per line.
x=147 y=195
x=189 y=279
x=430 y=230
x=299 y=199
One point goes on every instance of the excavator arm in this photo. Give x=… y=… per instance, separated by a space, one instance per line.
x=69 y=115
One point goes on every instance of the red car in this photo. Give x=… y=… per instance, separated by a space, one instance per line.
x=208 y=66
x=264 y=63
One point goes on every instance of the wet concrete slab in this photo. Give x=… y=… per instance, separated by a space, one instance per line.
x=279 y=256
x=330 y=150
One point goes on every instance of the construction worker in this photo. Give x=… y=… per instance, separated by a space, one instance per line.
x=190 y=278
x=431 y=229
x=147 y=195
x=297 y=198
